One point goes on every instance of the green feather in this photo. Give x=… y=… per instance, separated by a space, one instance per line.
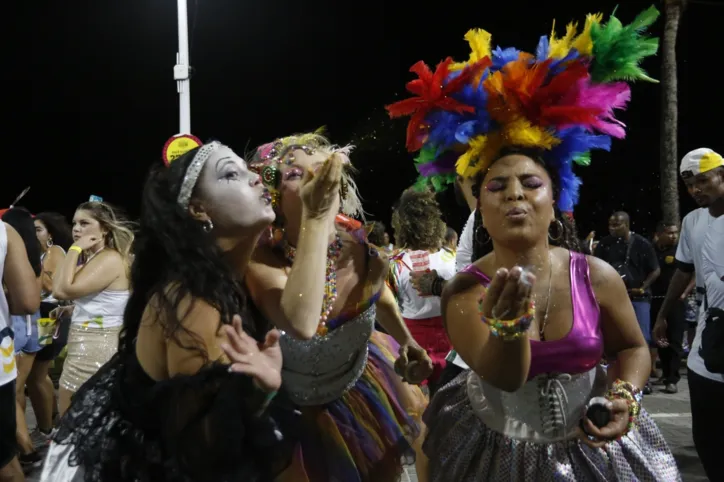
x=421 y=184
x=439 y=182
x=618 y=49
x=583 y=159
x=427 y=154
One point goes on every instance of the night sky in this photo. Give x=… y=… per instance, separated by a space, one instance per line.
x=93 y=98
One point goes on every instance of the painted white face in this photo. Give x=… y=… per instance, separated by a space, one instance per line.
x=232 y=195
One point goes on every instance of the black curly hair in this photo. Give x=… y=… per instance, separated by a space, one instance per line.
x=375 y=233
x=176 y=258
x=417 y=221
x=58 y=228
x=564 y=234
x=22 y=221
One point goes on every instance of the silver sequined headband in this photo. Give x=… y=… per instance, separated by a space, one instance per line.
x=192 y=173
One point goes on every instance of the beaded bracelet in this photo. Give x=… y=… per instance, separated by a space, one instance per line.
x=622 y=390
x=509 y=330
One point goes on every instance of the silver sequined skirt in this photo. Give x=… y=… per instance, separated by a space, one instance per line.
x=89 y=349
x=461 y=448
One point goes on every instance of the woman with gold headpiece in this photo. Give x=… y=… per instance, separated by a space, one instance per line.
x=533 y=318
x=324 y=287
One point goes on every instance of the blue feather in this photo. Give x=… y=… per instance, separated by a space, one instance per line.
x=574 y=142
x=570 y=186
x=541 y=51
x=443 y=126
x=559 y=65
x=500 y=57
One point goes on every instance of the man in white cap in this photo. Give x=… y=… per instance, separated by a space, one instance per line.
x=703 y=173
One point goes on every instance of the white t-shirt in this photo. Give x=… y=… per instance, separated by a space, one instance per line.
x=8 y=371
x=694 y=231
x=712 y=270
x=712 y=266
x=464 y=254
x=412 y=305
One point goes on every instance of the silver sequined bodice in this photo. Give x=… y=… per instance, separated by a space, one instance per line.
x=320 y=370
x=547 y=408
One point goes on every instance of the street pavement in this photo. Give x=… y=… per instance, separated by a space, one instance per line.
x=671 y=412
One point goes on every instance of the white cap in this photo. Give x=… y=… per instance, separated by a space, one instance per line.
x=699 y=161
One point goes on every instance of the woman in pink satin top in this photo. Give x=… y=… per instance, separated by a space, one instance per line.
x=518 y=414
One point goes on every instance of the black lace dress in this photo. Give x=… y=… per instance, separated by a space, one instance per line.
x=124 y=426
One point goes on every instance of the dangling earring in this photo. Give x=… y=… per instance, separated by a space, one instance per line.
x=208 y=226
x=277 y=235
x=559 y=231
x=49 y=243
x=486 y=239
x=343 y=190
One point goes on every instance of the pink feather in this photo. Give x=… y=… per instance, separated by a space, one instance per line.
x=607 y=98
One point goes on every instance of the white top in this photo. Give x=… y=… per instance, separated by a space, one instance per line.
x=414 y=306
x=712 y=266
x=464 y=254
x=101 y=310
x=463 y=258
x=9 y=370
x=694 y=231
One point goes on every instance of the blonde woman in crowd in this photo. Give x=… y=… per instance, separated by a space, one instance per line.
x=94 y=275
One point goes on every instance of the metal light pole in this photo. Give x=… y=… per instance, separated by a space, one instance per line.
x=181 y=70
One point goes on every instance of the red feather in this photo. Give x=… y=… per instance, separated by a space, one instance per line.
x=524 y=90
x=551 y=103
x=431 y=92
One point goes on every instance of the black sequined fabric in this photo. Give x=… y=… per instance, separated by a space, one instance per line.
x=124 y=427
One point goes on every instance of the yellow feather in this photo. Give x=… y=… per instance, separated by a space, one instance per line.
x=466 y=162
x=481 y=151
x=583 y=42
x=520 y=132
x=559 y=48
x=479 y=42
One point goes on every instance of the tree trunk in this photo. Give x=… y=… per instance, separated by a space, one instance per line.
x=669 y=160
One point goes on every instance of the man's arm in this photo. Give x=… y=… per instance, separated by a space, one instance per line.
x=677 y=286
x=652 y=266
x=683 y=276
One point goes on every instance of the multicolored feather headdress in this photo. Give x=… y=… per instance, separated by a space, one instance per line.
x=560 y=100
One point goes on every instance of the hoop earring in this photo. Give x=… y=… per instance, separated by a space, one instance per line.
x=49 y=243
x=560 y=230
x=476 y=235
x=208 y=226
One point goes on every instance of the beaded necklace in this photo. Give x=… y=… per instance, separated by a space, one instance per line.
x=330 y=284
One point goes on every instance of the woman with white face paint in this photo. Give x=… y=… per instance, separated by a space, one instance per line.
x=171 y=405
